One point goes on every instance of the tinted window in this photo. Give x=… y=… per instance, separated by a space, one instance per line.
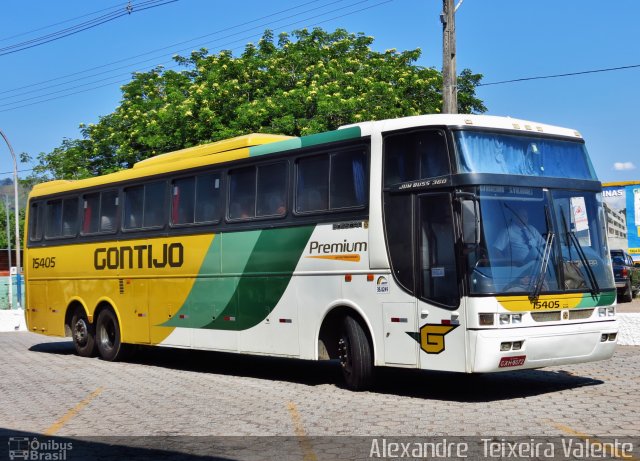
x=35 y=222
x=331 y=182
x=272 y=186
x=312 y=193
x=242 y=193
x=144 y=206
x=411 y=156
x=195 y=199
x=99 y=212
x=62 y=218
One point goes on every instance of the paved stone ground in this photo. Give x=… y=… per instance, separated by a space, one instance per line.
x=47 y=389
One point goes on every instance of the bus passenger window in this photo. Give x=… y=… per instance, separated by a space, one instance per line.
x=182 y=201
x=272 y=185
x=144 y=206
x=348 y=185
x=91 y=214
x=242 y=193
x=62 y=218
x=35 y=223
x=69 y=217
x=133 y=206
x=207 y=206
x=108 y=211
x=312 y=191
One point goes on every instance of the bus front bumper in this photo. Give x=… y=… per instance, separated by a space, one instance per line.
x=508 y=349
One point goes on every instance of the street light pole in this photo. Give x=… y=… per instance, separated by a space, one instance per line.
x=9 y=285
x=17 y=221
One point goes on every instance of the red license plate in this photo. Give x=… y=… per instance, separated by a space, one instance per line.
x=512 y=361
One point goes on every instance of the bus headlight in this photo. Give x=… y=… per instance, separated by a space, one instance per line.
x=516 y=318
x=486 y=319
x=504 y=319
x=611 y=311
x=602 y=312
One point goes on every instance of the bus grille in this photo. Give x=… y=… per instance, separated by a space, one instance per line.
x=580 y=314
x=553 y=316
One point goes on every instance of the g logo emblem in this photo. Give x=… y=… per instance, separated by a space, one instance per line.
x=432 y=337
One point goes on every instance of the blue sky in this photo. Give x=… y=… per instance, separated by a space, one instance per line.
x=501 y=39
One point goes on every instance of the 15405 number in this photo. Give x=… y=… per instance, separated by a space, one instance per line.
x=46 y=263
x=546 y=304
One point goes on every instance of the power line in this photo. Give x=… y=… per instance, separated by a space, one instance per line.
x=157 y=50
x=569 y=74
x=82 y=27
x=220 y=47
x=61 y=22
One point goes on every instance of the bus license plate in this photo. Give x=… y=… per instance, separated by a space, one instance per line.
x=512 y=361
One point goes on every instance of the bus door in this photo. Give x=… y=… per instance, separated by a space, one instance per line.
x=441 y=319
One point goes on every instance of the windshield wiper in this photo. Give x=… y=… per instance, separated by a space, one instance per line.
x=536 y=286
x=534 y=292
x=571 y=237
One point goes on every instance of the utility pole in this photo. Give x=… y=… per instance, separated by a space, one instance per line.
x=449 y=86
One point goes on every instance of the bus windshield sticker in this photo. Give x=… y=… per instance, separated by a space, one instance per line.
x=579 y=214
x=437 y=272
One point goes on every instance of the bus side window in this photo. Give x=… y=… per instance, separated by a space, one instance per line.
x=242 y=193
x=35 y=222
x=207 y=208
x=69 y=217
x=62 y=218
x=108 y=211
x=312 y=190
x=144 y=206
x=90 y=215
x=348 y=185
x=272 y=186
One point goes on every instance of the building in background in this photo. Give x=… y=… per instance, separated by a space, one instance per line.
x=622 y=205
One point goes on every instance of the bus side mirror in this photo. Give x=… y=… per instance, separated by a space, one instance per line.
x=470 y=222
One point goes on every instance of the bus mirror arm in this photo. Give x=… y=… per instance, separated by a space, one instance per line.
x=470 y=215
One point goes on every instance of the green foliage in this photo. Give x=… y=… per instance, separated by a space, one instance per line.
x=3 y=225
x=303 y=83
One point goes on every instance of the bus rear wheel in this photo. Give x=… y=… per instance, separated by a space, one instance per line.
x=84 y=339
x=355 y=355
x=108 y=336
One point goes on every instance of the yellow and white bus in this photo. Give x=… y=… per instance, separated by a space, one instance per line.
x=444 y=242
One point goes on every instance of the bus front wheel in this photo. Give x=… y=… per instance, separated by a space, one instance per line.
x=355 y=355
x=84 y=339
x=108 y=336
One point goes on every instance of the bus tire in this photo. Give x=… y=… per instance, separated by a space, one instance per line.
x=108 y=340
x=355 y=355
x=83 y=334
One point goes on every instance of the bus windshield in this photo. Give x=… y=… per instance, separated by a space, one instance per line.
x=539 y=241
x=487 y=152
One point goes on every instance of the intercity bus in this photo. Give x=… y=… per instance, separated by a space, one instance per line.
x=459 y=243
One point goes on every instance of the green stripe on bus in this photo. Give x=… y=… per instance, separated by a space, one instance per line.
x=211 y=292
x=306 y=141
x=331 y=136
x=272 y=147
x=602 y=299
x=266 y=277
